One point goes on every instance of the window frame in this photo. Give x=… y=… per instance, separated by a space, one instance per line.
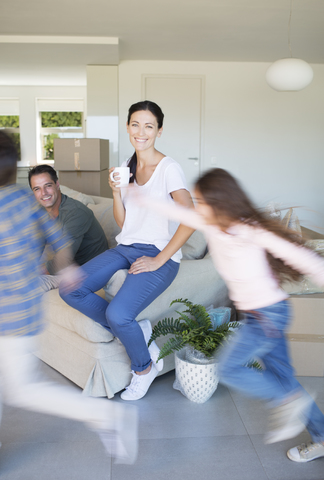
x=56 y=105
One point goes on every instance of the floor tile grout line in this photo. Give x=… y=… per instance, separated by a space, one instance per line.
x=230 y=393
x=261 y=463
x=193 y=437
x=233 y=400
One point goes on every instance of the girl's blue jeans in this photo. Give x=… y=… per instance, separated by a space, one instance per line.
x=263 y=337
x=137 y=292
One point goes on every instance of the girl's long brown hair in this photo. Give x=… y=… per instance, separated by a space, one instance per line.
x=224 y=194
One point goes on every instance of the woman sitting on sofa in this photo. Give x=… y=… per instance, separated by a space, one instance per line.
x=148 y=245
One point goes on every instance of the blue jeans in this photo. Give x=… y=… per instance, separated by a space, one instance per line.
x=263 y=337
x=137 y=292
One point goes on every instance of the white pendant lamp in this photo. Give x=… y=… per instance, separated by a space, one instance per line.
x=289 y=74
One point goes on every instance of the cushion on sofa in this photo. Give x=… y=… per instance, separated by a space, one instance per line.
x=195 y=247
x=82 y=197
x=105 y=216
x=115 y=283
x=71 y=319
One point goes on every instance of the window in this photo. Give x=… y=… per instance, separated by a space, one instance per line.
x=59 y=125
x=58 y=119
x=9 y=120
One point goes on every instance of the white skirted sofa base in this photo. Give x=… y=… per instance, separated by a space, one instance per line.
x=87 y=353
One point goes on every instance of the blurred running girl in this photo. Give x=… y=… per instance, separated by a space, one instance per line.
x=254 y=254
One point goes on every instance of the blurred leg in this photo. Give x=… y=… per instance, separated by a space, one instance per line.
x=115 y=424
x=263 y=339
x=22 y=388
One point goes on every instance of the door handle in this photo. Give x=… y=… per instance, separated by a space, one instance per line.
x=193 y=158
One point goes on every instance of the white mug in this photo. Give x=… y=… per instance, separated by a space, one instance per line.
x=123 y=173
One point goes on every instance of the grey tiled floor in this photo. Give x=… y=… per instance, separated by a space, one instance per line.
x=221 y=439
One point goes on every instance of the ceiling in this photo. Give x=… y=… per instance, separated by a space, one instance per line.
x=193 y=30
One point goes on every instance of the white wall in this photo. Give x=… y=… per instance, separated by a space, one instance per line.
x=27 y=96
x=273 y=142
x=102 y=106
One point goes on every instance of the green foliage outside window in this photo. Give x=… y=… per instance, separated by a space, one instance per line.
x=49 y=146
x=9 y=121
x=61 y=119
x=58 y=120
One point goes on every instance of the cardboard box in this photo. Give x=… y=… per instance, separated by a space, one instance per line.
x=90 y=183
x=306 y=334
x=81 y=154
x=307 y=356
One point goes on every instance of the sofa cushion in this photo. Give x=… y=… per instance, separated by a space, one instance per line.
x=71 y=319
x=115 y=283
x=82 y=197
x=195 y=247
x=105 y=216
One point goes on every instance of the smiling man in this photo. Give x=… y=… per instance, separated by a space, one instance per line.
x=77 y=220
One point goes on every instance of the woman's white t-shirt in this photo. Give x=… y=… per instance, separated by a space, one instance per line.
x=145 y=226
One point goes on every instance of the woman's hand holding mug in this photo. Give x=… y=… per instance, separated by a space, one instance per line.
x=118 y=177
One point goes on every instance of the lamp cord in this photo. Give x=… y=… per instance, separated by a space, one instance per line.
x=289 y=22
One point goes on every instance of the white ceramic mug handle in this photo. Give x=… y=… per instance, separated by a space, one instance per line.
x=112 y=176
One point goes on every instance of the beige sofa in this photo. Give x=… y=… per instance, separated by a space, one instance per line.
x=87 y=353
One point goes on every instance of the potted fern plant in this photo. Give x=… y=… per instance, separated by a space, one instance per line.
x=195 y=341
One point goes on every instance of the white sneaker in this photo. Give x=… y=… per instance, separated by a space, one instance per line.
x=288 y=420
x=306 y=452
x=139 y=385
x=153 y=348
x=120 y=440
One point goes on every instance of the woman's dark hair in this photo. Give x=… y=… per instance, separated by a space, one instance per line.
x=159 y=115
x=8 y=160
x=224 y=194
x=39 y=169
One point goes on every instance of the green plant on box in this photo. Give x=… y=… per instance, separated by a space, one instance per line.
x=194 y=327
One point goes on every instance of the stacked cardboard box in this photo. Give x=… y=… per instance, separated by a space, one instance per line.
x=306 y=334
x=83 y=164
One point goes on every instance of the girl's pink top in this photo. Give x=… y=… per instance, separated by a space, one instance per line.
x=240 y=257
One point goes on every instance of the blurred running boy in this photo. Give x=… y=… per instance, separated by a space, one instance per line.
x=24 y=226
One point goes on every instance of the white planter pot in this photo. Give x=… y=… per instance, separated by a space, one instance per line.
x=196 y=381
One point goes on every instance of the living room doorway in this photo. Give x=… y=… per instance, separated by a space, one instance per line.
x=180 y=97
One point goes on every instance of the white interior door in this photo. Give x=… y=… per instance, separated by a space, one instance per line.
x=181 y=101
